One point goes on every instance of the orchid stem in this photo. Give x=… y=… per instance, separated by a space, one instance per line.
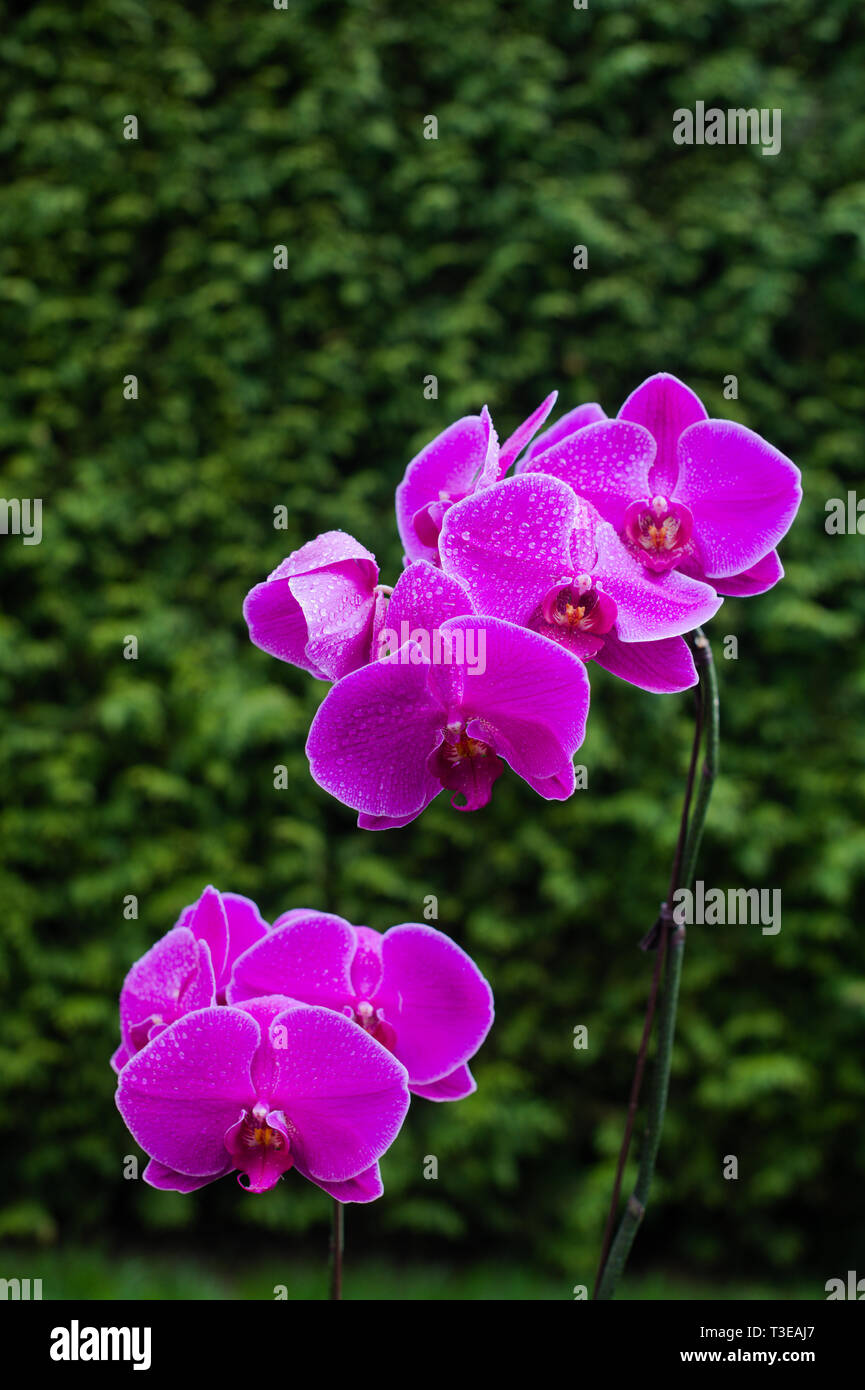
x=671 y=947
x=337 y=1244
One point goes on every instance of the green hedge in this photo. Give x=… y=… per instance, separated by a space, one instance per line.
x=304 y=388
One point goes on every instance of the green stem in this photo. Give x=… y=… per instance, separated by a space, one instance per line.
x=672 y=944
x=337 y=1245
x=711 y=718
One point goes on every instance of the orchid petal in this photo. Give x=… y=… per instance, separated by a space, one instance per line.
x=423 y=599
x=316 y=609
x=665 y=407
x=168 y=1180
x=742 y=492
x=175 y=976
x=182 y=1092
x=371 y=737
x=530 y=702
x=455 y=1086
x=307 y=959
x=662 y=667
x=344 y=1095
x=607 y=463
x=447 y=465
x=436 y=999
x=524 y=433
x=366 y=1187
x=508 y=545
x=756 y=580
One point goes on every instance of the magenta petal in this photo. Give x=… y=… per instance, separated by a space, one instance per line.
x=167 y=1180
x=345 y=1097
x=173 y=977
x=366 y=966
x=208 y=921
x=181 y=1093
x=276 y=623
x=581 y=644
x=265 y=1008
x=367 y=822
x=308 y=959
x=371 y=737
x=315 y=609
x=607 y=463
x=509 y=544
x=533 y=696
x=649 y=605
x=200 y=990
x=524 y=433
x=556 y=788
x=665 y=406
x=245 y=925
x=588 y=414
x=329 y=549
x=756 y=580
x=339 y=607
x=662 y=667
x=120 y=1056
x=294 y=914
x=455 y=1086
x=447 y=466
x=742 y=492
x=422 y=600
x=366 y=1187
x=492 y=469
x=436 y=999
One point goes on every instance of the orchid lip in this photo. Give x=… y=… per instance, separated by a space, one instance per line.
x=580 y=605
x=658 y=531
x=466 y=764
x=372 y=1020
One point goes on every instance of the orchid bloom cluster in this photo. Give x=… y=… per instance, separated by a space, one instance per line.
x=255 y=1048
x=611 y=539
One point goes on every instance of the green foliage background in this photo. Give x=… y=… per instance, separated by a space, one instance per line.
x=304 y=388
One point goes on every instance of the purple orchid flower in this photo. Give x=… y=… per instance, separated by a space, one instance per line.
x=462 y=459
x=188 y=969
x=707 y=497
x=412 y=989
x=529 y=549
x=462 y=696
x=260 y=1089
x=318 y=608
